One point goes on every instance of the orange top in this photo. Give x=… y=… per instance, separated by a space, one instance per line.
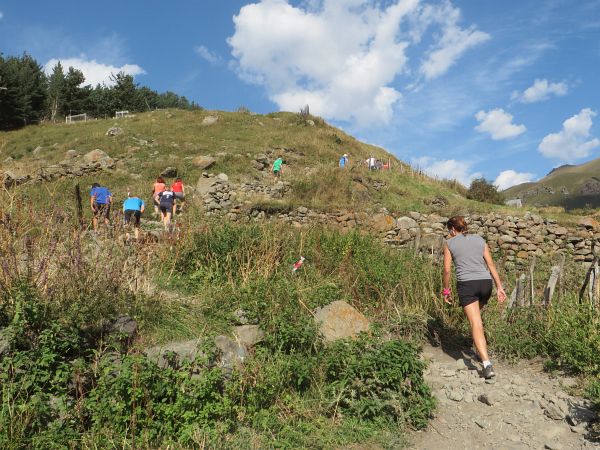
x=159 y=187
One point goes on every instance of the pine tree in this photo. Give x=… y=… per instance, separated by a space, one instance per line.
x=56 y=87
x=24 y=99
x=73 y=94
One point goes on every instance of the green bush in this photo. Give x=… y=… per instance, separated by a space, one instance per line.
x=377 y=380
x=484 y=191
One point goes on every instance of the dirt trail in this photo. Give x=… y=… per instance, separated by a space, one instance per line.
x=522 y=408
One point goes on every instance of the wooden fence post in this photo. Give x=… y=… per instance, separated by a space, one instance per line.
x=531 y=285
x=551 y=286
x=590 y=281
x=521 y=290
x=79 y=204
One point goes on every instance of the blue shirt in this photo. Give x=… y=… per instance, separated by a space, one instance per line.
x=133 y=204
x=102 y=194
x=343 y=161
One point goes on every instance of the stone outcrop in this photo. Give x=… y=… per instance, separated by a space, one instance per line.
x=278 y=190
x=210 y=120
x=339 y=320
x=203 y=162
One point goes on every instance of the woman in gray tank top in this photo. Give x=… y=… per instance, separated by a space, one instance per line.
x=475 y=270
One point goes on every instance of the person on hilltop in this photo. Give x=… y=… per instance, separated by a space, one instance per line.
x=166 y=203
x=475 y=270
x=277 y=168
x=133 y=207
x=344 y=161
x=179 y=190
x=371 y=163
x=100 y=200
x=158 y=186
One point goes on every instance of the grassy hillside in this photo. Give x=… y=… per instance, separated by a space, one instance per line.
x=151 y=142
x=568 y=186
x=68 y=381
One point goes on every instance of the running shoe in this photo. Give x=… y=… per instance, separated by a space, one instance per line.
x=488 y=372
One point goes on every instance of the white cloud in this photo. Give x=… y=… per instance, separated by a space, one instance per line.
x=508 y=178
x=498 y=124
x=449 y=169
x=541 y=90
x=94 y=72
x=1 y=15
x=207 y=54
x=571 y=143
x=454 y=41
x=341 y=56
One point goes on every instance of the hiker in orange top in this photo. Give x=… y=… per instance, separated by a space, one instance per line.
x=158 y=186
x=179 y=190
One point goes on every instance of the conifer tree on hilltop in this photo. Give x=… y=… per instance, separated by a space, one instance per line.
x=27 y=95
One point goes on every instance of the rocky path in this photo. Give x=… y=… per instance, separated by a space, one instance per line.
x=522 y=408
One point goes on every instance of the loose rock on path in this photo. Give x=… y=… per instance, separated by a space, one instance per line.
x=521 y=408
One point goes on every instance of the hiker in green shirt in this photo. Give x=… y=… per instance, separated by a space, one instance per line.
x=277 y=167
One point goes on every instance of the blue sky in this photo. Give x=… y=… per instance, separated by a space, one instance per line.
x=506 y=89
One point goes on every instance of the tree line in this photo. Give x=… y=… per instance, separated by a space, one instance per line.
x=28 y=95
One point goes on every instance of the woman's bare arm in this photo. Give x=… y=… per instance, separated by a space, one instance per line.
x=494 y=273
x=447 y=271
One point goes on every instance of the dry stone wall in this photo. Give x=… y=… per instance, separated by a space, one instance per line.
x=516 y=238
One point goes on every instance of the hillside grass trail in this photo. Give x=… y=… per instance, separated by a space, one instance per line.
x=522 y=408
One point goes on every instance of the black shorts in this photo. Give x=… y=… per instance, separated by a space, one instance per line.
x=179 y=195
x=474 y=290
x=102 y=210
x=136 y=216
x=277 y=173
x=166 y=208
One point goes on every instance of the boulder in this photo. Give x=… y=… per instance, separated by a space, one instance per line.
x=248 y=335
x=204 y=185
x=233 y=353
x=383 y=222
x=210 y=120
x=173 y=353
x=257 y=165
x=223 y=177
x=100 y=157
x=169 y=172
x=9 y=179
x=405 y=223
x=114 y=131
x=124 y=326
x=339 y=320
x=71 y=154
x=589 y=223
x=203 y=162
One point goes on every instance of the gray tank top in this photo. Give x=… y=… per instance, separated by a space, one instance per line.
x=467 y=254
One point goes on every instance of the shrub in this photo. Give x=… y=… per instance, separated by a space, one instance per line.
x=484 y=191
x=376 y=380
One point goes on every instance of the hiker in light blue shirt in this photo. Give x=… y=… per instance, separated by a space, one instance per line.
x=133 y=207
x=344 y=161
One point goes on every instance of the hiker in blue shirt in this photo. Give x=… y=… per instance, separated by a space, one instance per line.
x=133 y=207
x=344 y=161
x=100 y=200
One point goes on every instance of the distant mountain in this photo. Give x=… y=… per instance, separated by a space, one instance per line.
x=569 y=186
x=556 y=169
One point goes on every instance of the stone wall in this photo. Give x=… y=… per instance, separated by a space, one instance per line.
x=516 y=238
